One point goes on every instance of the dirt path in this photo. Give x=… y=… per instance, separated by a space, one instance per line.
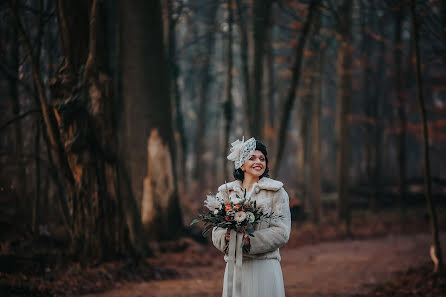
x=327 y=269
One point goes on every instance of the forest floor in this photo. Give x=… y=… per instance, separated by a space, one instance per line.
x=385 y=257
x=343 y=268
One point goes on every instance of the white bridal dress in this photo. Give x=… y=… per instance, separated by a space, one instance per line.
x=260 y=278
x=260 y=274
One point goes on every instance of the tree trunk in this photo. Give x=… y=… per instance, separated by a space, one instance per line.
x=203 y=93
x=244 y=57
x=20 y=180
x=269 y=106
x=376 y=114
x=261 y=14
x=291 y=95
x=316 y=138
x=343 y=137
x=227 y=104
x=402 y=119
x=36 y=201
x=435 y=246
x=170 y=23
x=304 y=123
x=146 y=135
x=79 y=127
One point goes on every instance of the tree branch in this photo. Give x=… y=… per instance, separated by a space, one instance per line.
x=19 y=117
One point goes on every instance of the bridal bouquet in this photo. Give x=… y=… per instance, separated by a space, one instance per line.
x=239 y=214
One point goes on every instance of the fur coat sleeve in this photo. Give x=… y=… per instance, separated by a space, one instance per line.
x=277 y=234
x=218 y=238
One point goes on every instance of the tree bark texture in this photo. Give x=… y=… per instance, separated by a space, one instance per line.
x=147 y=143
x=79 y=127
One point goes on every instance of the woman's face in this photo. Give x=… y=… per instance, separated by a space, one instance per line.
x=255 y=165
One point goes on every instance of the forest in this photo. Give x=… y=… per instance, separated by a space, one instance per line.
x=116 y=119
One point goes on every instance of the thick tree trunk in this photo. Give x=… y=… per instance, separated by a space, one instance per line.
x=261 y=14
x=79 y=127
x=343 y=137
x=291 y=95
x=146 y=137
x=435 y=247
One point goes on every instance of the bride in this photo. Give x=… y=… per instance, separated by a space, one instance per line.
x=254 y=271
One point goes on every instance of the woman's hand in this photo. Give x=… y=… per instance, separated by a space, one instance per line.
x=246 y=240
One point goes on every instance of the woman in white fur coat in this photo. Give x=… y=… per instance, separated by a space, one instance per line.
x=255 y=272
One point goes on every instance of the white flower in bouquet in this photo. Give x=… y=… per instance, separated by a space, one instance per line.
x=212 y=203
x=250 y=217
x=239 y=216
x=216 y=212
x=219 y=197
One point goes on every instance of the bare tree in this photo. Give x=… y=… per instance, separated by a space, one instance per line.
x=227 y=104
x=402 y=118
x=435 y=246
x=343 y=141
x=291 y=94
x=316 y=133
x=171 y=16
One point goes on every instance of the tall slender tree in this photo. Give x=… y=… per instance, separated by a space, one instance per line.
x=171 y=16
x=344 y=93
x=316 y=127
x=402 y=118
x=227 y=103
x=436 y=254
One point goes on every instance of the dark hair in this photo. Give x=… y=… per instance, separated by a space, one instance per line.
x=240 y=175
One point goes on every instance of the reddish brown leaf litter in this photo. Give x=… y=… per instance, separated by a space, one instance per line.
x=339 y=269
x=412 y=283
x=311 y=259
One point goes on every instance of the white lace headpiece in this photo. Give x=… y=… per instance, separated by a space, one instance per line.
x=241 y=151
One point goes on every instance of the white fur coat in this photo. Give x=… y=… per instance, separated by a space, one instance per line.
x=269 y=235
